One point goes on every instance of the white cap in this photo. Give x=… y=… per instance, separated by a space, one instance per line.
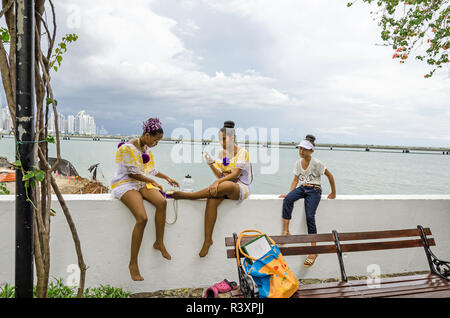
x=306 y=144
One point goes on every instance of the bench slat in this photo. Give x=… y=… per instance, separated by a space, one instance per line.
x=351 y=236
x=346 y=248
x=362 y=282
x=384 y=287
x=389 y=288
x=373 y=294
x=287 y=239
x=355 y=236
x=425 y=294
x=359 y=247
x=297 y=250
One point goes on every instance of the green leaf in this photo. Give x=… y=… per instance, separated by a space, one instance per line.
x=28 y=176
x=40 y=175
x=5 y=37
x=50 y=139
x=49 y=101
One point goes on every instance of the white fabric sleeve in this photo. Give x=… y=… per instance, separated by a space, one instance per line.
x=131 y=169
x=153 y=172
x=243 y=161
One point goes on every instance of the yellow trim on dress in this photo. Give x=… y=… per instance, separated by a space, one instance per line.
x=151 y=186
x=129 y=155
x=241 y=156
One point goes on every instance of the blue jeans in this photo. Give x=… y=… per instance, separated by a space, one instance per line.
x=312 y=198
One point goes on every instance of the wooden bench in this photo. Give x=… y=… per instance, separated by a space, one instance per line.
x=434 y=284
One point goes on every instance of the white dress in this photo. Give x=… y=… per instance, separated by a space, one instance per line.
x=241 y=161
x=129 y=161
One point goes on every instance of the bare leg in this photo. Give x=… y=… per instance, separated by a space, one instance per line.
x=204 y=193
x=156 y=198
x=285 y=226
x=210 y=221
x=133 y=200
x=228 y=188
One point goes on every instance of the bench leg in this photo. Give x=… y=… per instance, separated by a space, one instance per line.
x=439 y=267
x=246 y=283
x=339 y=255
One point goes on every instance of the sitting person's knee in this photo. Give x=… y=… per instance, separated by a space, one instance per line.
x=287 y=200
x=161 y=204
x=142 y=220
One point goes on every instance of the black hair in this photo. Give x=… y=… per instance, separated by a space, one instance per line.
x=154 y=132
x=311 y=139
x=228 y=128
x=152 y=126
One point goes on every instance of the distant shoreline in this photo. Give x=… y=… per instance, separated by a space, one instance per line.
x=293 y=144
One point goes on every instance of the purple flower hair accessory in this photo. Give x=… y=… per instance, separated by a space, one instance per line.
x=145 y=158
x=153 y=124
x=120 y=144
x=225 y=161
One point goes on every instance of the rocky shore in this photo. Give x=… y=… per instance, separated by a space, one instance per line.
x=71 y=185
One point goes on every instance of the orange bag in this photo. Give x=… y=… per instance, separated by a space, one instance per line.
x=270 y=272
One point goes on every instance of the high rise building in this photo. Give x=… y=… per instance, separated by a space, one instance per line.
x=71 y=124
x=85 y=124
x=6 y=124
x=61 y=123
x=82 y=123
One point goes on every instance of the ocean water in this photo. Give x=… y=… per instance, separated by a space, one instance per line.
x=355 y=170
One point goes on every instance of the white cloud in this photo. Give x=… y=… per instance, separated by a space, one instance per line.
x=139 y=50
x=317 y=67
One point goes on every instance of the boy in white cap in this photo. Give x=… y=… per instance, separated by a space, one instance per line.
x=307 y=171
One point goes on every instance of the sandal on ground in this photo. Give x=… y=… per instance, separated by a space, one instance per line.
x=309 y=261
x=225 y=286
x=211 y=292
x=222 y=287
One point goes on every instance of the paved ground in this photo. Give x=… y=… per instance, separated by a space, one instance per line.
x=198 y=292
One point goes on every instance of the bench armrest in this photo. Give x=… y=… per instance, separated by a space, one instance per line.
x=437 y=266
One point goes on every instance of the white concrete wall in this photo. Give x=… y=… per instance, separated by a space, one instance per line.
x=105 y=226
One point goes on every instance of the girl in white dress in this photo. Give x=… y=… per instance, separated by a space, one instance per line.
x=234 y=176
x=133 y=183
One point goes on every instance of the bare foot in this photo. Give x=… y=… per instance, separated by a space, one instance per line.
x=163 y=250
x=134 y=272
x=205 y=248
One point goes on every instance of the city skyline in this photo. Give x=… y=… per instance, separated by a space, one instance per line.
x=82 y=123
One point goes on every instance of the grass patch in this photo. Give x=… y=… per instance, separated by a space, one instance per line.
x=57 y=289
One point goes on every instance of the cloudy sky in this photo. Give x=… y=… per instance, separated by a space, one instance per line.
x=300 y=66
